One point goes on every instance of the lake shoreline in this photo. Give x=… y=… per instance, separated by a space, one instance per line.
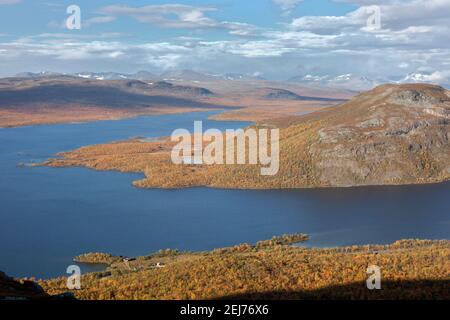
x=195 y=275
x=77 y=210
x=164 y=175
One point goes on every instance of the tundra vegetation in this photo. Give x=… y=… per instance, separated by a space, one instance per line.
x=63 y=98
x=97 y=257
x=273 y=269
x=392 y=135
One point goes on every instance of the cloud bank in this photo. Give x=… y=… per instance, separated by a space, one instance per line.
x=413 y=41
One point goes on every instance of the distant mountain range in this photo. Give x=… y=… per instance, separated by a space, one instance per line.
x=358 y=83
x=345 y=81
x=141 y=75
x=173 y=76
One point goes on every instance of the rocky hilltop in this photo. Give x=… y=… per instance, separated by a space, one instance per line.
x=392 y=134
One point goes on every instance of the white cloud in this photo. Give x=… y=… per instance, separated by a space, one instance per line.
x=168 y=15
x=256 y=49
x=414 y=38
x=164 y=62
x=287 y=5
x=401 y=14
x=98 y=20
x=175 y=16
x=321 y=22
x=440 y=77
x=239 y=28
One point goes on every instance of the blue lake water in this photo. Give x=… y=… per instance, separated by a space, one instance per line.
x=49 y=215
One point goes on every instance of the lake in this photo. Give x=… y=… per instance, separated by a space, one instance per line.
x=50 y=215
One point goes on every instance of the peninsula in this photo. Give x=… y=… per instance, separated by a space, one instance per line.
x=391 y=135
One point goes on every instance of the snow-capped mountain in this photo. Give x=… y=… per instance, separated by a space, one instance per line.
x=190 y=75
x=141 y=75
x=172 y=76
x=345 y=81
x=187 y=75
x=241 y=76
x=38 y=74
x=359 y=83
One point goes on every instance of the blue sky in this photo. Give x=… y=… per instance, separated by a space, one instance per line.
x=277 y=39
x=29 y=17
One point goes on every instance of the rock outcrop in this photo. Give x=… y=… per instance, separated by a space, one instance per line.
x=390 y=135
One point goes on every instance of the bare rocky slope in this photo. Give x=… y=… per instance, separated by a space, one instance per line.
x=392 y=134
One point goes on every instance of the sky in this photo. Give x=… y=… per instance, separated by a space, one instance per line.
x=275 y=39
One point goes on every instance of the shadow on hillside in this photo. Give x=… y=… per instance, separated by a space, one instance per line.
x=13 y=289
x=90 y=95
x=390 y=290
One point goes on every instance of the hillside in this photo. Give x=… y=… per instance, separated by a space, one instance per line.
x=411 y=269
x=14 y=289
x=390 y=135
x=270 y=269
x=170 y=88
x=58 y=98
x=394 y=134
x=283 y=94
x=47 y=98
